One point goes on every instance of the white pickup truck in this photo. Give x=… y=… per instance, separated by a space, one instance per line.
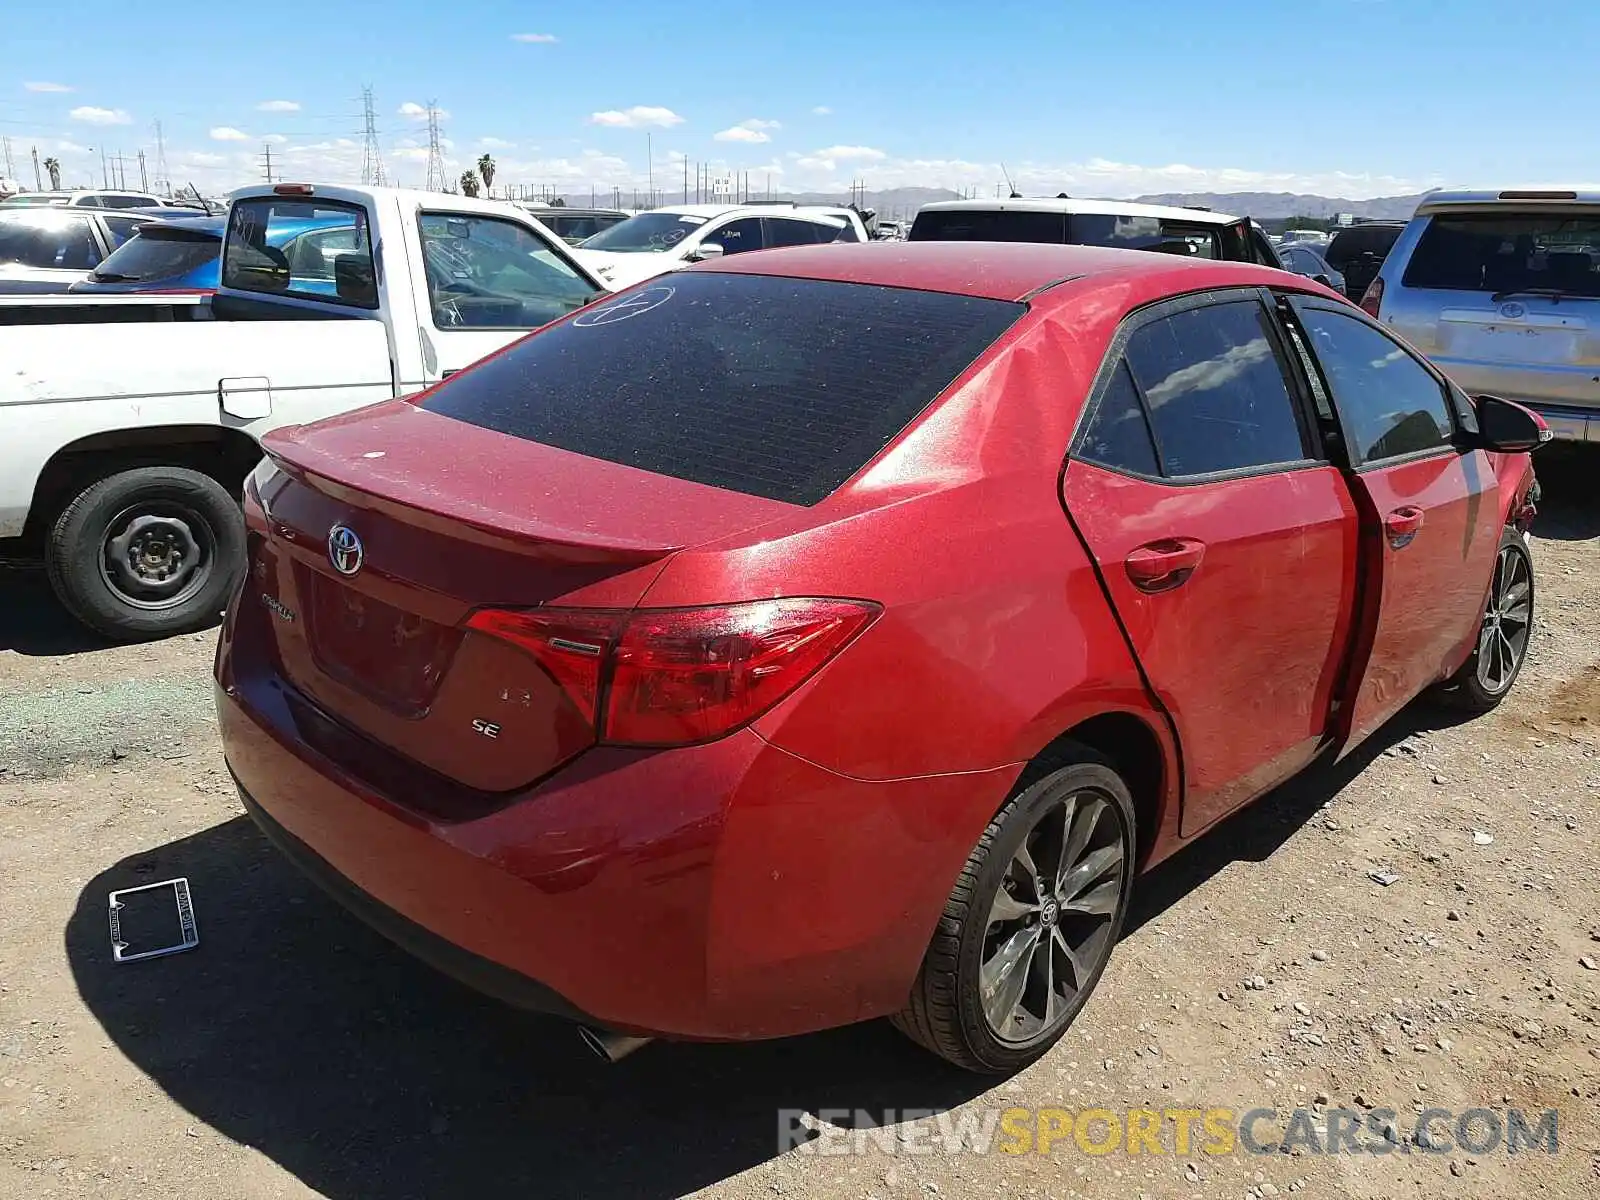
x=128 y=423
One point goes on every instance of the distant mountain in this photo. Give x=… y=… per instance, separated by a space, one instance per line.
x=1267 y=206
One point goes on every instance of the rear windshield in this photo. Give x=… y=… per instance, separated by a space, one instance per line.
x=1350 y=244
x=770 y=386
x=1509 y=253
x=1079 y=229
x=161 y=255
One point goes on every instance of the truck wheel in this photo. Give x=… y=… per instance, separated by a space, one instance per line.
x=147 y=553
x=1486 y=677
x=1031 y=922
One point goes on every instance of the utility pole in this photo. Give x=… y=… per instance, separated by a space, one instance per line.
x=371 y=155
x=11 y=168
x=650 y=166
x=144 y=180
x=105 y=178
x=266 y=148
x=435 y=180
x=162 y=178
x=38 y=183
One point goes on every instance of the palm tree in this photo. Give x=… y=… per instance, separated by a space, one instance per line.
x=486 y=169
x=469 y=184
x=53 y=166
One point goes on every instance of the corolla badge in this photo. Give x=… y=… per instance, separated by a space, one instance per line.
x=1513 y=310
x=344 y=550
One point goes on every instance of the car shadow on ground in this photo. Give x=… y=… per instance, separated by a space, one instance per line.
x=32 y=621
x=1569 y=509
x=296 y=1030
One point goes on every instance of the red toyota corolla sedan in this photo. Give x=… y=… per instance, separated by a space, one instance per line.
x=834 y=633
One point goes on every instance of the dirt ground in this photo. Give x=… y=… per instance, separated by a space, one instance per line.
x=294 y=1053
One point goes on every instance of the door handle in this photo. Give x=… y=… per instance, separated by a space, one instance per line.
x=1402 y=524
x=1163 y=565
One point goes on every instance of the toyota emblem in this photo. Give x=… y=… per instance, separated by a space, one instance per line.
x=1513 y=310
x=344 y=550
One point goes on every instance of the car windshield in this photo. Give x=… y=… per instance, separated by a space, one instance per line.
x=1510 y=252
x=770 y=386
x=158 y=253
x=646 y=233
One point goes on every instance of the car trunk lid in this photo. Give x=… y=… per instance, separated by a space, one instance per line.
x=391 y=527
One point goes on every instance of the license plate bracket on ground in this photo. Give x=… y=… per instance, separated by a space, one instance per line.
x=152 y=920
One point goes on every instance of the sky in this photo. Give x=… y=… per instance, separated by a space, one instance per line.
x=1353 y=98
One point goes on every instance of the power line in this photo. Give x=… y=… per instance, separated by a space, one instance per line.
x=435 y=181
x=371 y=154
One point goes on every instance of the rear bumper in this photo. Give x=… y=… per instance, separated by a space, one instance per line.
x=720 y=892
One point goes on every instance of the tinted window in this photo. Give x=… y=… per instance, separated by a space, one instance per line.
x=1118 y=434
x=1508 y=253
x=772 y=386
x=738 y=236
x=1352 y=243
x=91 y=202
x=255 y=258
x=988 y=225
x=847 y=234
x=484 y=273
x=158 y=256
x=1389 y=403
x=35 y=238
x=126 y=201
x=1215 y=390
x=1142 y=233
x=122 y=228
x=784 y=232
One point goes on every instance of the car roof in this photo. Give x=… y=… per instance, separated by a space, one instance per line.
x=1507 y=198
x=995 y=270
x=1062 y=204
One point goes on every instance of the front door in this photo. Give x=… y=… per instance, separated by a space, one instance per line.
x=489 y=281
x=1226 y=544
x=1431 y=513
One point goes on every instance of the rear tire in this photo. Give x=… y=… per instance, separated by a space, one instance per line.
x=1030 y=924
x=147 y=553
x=1504 y=631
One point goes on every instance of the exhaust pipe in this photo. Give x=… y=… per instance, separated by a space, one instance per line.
x=613 y=1047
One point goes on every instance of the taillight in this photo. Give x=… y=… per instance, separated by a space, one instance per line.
x=572 y=645
x=1372 y=298
x=673 y=677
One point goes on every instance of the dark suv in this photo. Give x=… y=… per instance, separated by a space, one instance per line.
x=1357 y=252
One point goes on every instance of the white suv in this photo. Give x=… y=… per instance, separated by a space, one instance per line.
x=668 y=239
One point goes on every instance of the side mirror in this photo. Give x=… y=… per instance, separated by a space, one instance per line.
x=1323 y=280
x=706 y=251
x=1508 y=427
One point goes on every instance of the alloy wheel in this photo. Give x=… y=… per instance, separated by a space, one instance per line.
x=1050 y=925
x=1507 y=621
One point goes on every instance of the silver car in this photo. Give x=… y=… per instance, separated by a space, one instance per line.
x=1502 y=291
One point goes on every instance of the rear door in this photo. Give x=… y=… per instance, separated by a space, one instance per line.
x=1225 y=540
x=1430 y=511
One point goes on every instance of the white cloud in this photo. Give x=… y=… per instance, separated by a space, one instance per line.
x=494 y=143
x=66 y=147
x=410 y=154
x=752 y=131
x=640 y=116
x=227 y=133
x=541 y=38
x=822 y=110
x=278 y=106
x=45 y=86
x=100 y=116
x=200 y=158
x=852 y=153
x=413 y=111
x=275 y=139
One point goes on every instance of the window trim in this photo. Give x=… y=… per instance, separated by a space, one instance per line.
x=1171 y=306
x=1298 y=303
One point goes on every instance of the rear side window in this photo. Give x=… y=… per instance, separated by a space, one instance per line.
x=1215 y=390
x=1509 y=252
x=1118 y=435
x=48 y=239
x=1389 y=403
x=262 y=232
x=960 y=225
x=770 y=386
